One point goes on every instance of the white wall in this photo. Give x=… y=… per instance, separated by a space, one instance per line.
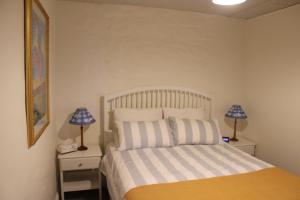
x=106 y=48
x=272 y=75
x=26 y=174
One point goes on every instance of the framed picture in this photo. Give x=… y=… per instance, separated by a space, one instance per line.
x=36 y=69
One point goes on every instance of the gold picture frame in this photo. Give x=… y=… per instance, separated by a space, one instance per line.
x=36 y=69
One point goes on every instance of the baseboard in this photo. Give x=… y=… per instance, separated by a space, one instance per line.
x=56 y=196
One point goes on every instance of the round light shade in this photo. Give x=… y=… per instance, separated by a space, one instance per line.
x=228 y=2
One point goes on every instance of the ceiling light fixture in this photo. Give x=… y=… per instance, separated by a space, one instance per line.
x=228 y=2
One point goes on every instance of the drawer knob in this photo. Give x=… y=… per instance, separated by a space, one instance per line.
x=80 y=164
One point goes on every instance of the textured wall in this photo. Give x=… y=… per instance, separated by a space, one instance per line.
x=272 y=90
x=106 y=48
x=26 y=174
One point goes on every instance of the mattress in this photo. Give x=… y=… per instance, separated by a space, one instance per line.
x=130 y=169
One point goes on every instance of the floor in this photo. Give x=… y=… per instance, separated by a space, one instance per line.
x=86 y=195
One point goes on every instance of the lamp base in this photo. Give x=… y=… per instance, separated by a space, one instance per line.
x=82 y=148
x=234 y=139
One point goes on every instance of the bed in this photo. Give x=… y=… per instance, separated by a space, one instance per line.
x=185 y=170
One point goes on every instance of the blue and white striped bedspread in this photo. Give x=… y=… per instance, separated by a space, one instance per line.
x=138 y=167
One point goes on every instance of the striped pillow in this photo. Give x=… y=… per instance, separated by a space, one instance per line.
x=192 y=131
x=142 y=134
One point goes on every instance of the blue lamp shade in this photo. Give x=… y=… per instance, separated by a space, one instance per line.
x=82 y=117
x=237 y=112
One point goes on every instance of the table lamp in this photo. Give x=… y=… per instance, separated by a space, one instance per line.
x=236 y=112
x=82 y=117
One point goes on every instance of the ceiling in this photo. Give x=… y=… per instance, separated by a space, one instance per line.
x=247 y=10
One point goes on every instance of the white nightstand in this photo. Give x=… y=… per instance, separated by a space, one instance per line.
x=80 y=170
x=245 y=145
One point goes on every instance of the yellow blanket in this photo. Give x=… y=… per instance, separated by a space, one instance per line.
x=267 y=184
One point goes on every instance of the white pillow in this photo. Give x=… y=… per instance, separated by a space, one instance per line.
x=144 y=134
x=192 y=131
x=135 y=114
x=184 y=113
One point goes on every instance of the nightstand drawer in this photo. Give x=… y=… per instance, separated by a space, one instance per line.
x=250 y=149
x=79 y=163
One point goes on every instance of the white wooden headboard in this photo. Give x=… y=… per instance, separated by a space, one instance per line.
x=153 y=97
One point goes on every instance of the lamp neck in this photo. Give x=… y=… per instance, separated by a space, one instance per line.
x=81 y=134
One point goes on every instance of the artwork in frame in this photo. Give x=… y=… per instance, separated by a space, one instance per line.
x=36 y=69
